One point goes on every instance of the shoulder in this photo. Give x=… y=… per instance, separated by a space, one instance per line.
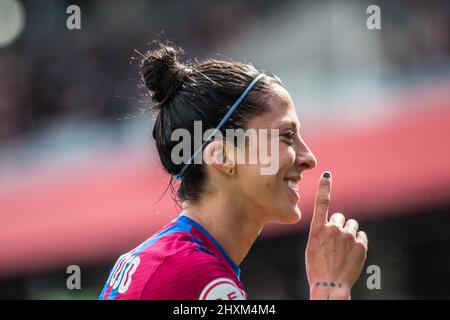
x=192 y=274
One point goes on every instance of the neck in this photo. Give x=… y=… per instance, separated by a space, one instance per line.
x=232 y=225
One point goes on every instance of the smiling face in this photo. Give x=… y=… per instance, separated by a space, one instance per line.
x=274 y=197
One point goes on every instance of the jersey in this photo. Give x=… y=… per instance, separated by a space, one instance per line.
x=180 y=262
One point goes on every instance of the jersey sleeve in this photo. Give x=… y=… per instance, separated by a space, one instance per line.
x=193 y=275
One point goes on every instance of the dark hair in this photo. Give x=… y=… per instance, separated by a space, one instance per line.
x=201 y=92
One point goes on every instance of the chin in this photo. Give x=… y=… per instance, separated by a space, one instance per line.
x=290 y=216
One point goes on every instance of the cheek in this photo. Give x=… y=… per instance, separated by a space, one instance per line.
x=274 y=154
x=265 y=188
x=255 y=185
x=287 y=156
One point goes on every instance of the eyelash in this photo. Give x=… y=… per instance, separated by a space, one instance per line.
x=289 y=135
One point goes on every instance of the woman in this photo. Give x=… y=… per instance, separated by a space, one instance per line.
x=226 y=202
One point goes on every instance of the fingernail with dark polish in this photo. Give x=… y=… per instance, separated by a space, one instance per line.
x=326 y=175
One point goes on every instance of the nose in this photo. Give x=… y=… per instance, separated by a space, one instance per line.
x=304 y=156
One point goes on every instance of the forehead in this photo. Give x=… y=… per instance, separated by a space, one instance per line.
x=281 y=110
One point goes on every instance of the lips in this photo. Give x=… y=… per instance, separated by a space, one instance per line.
x=292 y=189
x=292 y=184
x=292 y=181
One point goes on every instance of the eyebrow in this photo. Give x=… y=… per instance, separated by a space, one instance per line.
x=290 y=124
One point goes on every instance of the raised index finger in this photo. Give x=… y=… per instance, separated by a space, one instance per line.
x=320 y=215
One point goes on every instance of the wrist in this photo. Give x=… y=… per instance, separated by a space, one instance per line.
x=329 y=290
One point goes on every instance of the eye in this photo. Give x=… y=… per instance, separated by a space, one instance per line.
x=289 y=136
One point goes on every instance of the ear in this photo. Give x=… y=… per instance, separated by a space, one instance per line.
x=218 y=157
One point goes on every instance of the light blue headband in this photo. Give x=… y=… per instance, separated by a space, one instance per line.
x=221 y=124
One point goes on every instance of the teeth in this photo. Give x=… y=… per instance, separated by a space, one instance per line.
x=292 y=184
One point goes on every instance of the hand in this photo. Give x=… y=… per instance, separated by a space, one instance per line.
x=336 y=250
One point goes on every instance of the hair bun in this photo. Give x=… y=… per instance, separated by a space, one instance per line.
x=162 y=72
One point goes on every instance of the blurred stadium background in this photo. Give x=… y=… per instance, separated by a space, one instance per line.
x=80 y=180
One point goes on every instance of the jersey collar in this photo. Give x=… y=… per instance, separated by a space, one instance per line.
x=193 y=223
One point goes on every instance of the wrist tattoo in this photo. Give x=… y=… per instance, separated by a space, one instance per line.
x=328 y=284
